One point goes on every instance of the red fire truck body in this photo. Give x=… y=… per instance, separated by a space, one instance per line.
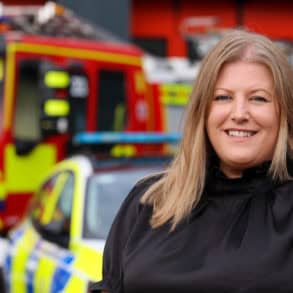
x=52 y=88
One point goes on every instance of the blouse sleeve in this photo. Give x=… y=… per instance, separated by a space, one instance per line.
x=117 y=239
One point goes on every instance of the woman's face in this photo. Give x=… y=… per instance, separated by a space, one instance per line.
x=243 y=120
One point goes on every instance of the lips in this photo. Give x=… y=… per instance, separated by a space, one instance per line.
x=240 y=132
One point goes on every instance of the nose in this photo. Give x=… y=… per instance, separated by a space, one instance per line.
x=240 y=110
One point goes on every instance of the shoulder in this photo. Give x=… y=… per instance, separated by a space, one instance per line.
x=283 y=197
x=132 y=202
x=142 y=186
x=280 y=206
x=285 y=190
x=129 y=214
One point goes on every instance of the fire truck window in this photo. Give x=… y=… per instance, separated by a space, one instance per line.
x=77 y=115
x=193 y=53
x=155 y=46
x=78 y=93
x=111 y=101
x=28 y=98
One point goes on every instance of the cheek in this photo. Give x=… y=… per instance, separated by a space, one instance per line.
x=212 y=126
x=216 y=116
x=268 y=119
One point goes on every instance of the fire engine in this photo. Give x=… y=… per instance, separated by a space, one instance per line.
x=53 y=87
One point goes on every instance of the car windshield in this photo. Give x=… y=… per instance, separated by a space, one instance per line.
x=105 y=194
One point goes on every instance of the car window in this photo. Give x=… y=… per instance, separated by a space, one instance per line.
x=37 y=211
x=61 y=216
x=51 y=210
x=104 y=197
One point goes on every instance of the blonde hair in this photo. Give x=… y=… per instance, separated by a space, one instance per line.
x=180 y=188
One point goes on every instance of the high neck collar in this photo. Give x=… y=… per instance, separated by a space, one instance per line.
x=253 y=179
x=260 y=170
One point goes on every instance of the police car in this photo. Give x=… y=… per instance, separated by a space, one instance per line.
x=58 y=247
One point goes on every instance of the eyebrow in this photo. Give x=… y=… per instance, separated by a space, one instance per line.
x=253 y=91
x=262 y=90
x=223 y=89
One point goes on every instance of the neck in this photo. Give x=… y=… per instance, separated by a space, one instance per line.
x=231 y=172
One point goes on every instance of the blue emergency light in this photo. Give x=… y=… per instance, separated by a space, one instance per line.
x=107 y=137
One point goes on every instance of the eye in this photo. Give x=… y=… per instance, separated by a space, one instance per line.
x=222 y=98
x=260 y=99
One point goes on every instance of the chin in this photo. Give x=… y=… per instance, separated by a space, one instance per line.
x=243 y=163
x=243 y=158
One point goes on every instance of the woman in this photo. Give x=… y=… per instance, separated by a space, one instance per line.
x=220 y=219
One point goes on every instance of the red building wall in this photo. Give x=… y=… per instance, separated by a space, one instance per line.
x=23 y=2
x=275 y=18
x=162 y=18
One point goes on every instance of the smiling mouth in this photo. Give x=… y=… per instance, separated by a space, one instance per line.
x=240 y=133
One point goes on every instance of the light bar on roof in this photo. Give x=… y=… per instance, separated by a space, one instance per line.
x=126 y=137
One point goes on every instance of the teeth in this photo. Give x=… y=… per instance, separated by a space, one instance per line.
x=240 y=133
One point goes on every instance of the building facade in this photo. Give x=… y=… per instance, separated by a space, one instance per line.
x=163 y=26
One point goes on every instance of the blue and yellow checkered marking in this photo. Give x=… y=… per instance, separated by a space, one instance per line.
x=62 y=274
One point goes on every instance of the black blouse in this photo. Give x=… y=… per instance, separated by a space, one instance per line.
x=239 y=238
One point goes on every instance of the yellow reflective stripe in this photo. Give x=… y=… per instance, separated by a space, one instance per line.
x=43 y=275
x=76 y=284
x=89 y=262
x=56 y=107
x=1 y=69
x=25 y=173
x=174 y=101
x=126 y=150
x=2 y=187
x=140 y=84
x=18 y=282
x=175 y=94
x=119 y=114
x=88 y=54
x=56 y=79
x=9 y=87
x=2 y=191
x=183 y=88
x=19 y=261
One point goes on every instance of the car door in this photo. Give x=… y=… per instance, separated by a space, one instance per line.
x=39 y=258
x=53 y=221
x=22 y=257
